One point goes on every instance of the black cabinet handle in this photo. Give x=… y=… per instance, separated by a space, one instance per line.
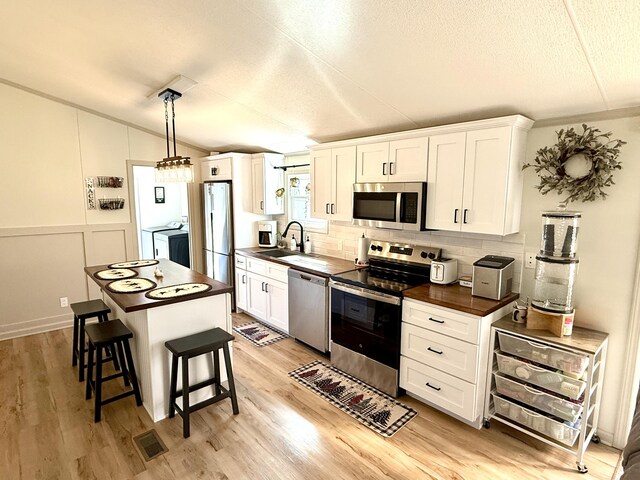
x=464 y=215
x=431 y=386
x=326 y=208
x=434 y=351
x=333 y=209
x=266 y=287
x=455 y=215
x=436 y=320
x=391 y=169
x=261 y=204
x=244 y=279
x=263 y=286
x=384 y=169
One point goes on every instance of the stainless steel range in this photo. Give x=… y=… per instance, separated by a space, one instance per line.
x=366 y=311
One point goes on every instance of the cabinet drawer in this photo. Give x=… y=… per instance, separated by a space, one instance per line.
x=547 y=379
x=535 y=421
x=556 y=406
x=241 y=262
x=256 y=266
x=440 y=320
x=544 y=354
x=277 y=272
x=447 y=354
x=448 y=392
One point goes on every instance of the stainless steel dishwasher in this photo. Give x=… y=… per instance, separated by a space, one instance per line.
x=308 y=309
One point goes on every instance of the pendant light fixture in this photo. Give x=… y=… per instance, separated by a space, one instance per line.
x=174 y=168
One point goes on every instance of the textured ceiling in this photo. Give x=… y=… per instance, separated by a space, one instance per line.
x=281 y=74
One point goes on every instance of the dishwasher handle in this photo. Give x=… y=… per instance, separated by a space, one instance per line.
x=307 y=277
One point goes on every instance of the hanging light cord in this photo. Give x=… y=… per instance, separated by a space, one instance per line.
x=173 y=124
x=166 y=122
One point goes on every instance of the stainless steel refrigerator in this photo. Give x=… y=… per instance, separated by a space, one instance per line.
x=218 y=231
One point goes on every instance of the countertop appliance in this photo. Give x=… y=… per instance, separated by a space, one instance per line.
x=267 y=233
x=492 y=277
x=366 y=311
x=218 y=231
x=148 y=245
x=401 y=206
x=308 y=305
x=444 y=271
x=174 y=245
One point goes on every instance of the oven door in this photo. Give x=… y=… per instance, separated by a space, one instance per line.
x=366 y=322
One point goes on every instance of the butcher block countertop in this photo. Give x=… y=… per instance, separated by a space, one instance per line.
x=174 y=274
x=314 y=264
x=457 y=298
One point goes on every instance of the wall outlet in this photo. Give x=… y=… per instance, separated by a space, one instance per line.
x=64 y=302
x=530 y=260
x=339 y=244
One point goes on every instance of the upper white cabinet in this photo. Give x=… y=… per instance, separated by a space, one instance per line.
x=266 y=181
x=475 y=181
x=332 y=177
x=218 y=167
x=394 y=161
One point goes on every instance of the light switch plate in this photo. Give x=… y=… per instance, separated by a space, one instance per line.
x=530 y=260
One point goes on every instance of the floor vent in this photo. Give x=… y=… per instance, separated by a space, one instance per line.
x=150 y=445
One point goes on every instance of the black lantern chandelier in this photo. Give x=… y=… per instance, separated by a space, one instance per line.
x=176 y=168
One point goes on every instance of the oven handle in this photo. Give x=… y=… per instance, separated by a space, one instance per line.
x=363 y=292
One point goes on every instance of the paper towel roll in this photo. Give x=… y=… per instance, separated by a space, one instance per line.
x=362 y=257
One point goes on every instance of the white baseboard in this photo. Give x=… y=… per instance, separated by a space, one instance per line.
x=39 y=325
x=606 y=437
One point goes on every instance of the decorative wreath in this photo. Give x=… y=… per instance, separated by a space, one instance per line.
x=581 y=164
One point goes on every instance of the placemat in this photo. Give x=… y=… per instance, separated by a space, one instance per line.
x=180 y=290
x=115 y=274
x=134 y=264
x=135 y=285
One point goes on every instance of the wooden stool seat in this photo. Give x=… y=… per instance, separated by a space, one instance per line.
x=83 y=311
x=111 y=335
x=209 y=341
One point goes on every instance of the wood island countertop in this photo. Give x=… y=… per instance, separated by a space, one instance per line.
x=458 y=298
x=332 y=265
x=174 y=274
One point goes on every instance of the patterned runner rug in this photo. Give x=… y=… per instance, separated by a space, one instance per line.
x=259 y=334
x=371 y=407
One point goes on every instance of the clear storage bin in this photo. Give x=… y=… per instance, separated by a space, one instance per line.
x=560 y=233
x=554 y=280
x=546 y=355
x=535 y=421
x=542 y=377
x=556 y=406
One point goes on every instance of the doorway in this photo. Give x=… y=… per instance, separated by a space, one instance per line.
x=161 y=213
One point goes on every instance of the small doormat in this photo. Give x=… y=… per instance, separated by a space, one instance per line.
x=150 y=445
x=178 y=290
x=259 y=334
x=135 y=285
x=371 y=407
x=134 y=264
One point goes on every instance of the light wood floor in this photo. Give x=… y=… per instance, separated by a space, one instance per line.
x=283 y=431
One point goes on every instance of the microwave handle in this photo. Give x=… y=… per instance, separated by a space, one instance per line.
x=399 y=206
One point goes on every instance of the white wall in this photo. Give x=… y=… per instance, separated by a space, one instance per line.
x=608 y=243
x=154 y=214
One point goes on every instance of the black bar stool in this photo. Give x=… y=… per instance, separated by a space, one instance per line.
x=115 y=336
x=83 y=311
x=210 y=341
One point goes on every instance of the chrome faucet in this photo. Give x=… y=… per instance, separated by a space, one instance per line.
x=284 y=235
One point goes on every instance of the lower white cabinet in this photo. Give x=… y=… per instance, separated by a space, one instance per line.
x=444 y=357
x=241 y=289
x=267 y=293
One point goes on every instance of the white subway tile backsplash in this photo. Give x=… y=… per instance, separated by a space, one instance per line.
x=503 y=246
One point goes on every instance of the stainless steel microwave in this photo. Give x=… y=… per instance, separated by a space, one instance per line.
x=401 y=206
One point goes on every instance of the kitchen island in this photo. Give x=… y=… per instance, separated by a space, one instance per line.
x=154 y=321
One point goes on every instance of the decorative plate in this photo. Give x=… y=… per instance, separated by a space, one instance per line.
x=135 y=285
x=134 y=264
x=115 y=274
x=180 y=290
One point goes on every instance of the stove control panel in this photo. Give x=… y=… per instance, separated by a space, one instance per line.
x=404 y=252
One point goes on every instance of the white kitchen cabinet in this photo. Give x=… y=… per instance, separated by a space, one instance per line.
x=395 y=161
x=162 y=247
x=277 y=305
x=256 y=297
x=218 y=167
x=268 y=293
x=475 y=182
x=241 y=282
x=444 y=357
x=266 y=181
x=332 y=177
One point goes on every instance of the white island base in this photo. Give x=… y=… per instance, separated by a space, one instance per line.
x=152 y=327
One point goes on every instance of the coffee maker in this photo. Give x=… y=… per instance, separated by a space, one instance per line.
x=267 y=233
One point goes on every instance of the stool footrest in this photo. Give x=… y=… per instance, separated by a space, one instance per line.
x=117 y=397
x=200 y=385
x=205 y=403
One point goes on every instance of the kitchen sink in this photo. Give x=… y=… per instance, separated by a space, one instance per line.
x=278 y=253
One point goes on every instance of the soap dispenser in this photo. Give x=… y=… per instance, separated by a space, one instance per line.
x=293 y=245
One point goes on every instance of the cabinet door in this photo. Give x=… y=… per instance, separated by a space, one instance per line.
x=372 y=163
x=162 y=248
x=343 y=163
x=486 y=169
x=408 y=160
x=256 y=296
x=321 y=183
x=257 y=179
x=445 y=175
x=273 y=180
x=241 y=289
x=217 y=169
x=278 y=305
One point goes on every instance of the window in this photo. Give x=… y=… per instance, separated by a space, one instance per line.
x=299 y=204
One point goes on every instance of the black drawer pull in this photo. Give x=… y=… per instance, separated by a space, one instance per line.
x=434 y=351
x=431 y=386
x=435 y=320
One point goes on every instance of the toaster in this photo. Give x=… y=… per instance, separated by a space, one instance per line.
x=492 y=277
x=444 y=271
